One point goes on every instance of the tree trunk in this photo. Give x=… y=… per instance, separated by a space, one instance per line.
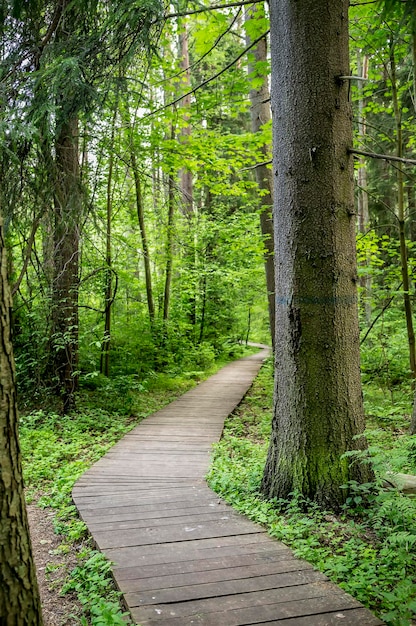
x=19 y=595
x=260 y=115
x=169 y=248
x=412 y=429
x=143 y=233
x=185 y=173
x=318 y=401
x=401 y=218
x=108 y=291
x=363 y=211
x=68 y=202
x=140 y=213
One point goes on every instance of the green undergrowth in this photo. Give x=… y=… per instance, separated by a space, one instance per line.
x=369 y=549
x=58 y=449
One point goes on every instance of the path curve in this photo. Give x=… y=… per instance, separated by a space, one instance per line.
x=181 y=555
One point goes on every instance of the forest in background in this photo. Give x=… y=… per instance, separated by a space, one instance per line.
x=142 y=249
x=136 y=228
x=154 y=258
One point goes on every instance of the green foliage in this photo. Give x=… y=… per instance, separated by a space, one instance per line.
x=369 y=549
x=92 y=583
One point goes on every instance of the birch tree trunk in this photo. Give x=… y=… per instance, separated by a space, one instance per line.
x=318 y=402
x=19 y=596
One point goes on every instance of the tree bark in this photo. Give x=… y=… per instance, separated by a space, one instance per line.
x=143 y=233
x=68 y=203
x=404 y=265
x=140 y=212
x=19 y=595
x=169 y=247
x=185 y=173
x=108 y=290
x=412 y=429
x=260 y=115
x=363 y=211
x=318 y=401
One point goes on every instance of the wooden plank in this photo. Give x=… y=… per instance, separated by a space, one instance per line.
x=267 y=614
x=145 y=507
x=180 y=610
x=155 y=521
x=173 y=533
x=274 y=553
x=187 y=550
x=354 y=617
x=105 y=502
x=209 y=576
x=224 y=588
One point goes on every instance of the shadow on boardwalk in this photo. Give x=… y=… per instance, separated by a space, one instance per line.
x=182 y=556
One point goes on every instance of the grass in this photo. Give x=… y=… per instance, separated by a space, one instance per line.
x=369 y=549
x=58 y=449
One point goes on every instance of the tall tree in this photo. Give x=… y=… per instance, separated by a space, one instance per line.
x=19 y=595
x=318 y=402
x=185 y=85
x=401 y=215
x=68 y=205
x=261 y=115
x=362 y=181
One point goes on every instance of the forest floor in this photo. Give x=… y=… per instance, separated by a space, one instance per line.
x=379 y=571
x=52 y=568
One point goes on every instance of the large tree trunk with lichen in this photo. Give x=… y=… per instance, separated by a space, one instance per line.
x=68 y=202
x=19 y=596
x=318 y=403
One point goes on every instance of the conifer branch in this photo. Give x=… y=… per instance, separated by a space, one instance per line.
x=253 y=167
x=384 y=157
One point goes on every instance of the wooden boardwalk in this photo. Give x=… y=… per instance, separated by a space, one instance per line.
x=182 y=556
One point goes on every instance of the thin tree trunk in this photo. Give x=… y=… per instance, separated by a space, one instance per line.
x=68 y=202
x=412 y=430
x=169 y=249
x=19 y=595
x=108 y=292
x=140 y=215
x=318 y=408
x=260 y=115
x=143 y=233
x=411 y=197
x=401 y=219
x=185 y=173
x=411 y=206
x=203 y=308
x=363 y=211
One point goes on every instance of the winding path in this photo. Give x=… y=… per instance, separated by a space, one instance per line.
x=182 y=556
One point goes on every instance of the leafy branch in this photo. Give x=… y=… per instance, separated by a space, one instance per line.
x=208 y=80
